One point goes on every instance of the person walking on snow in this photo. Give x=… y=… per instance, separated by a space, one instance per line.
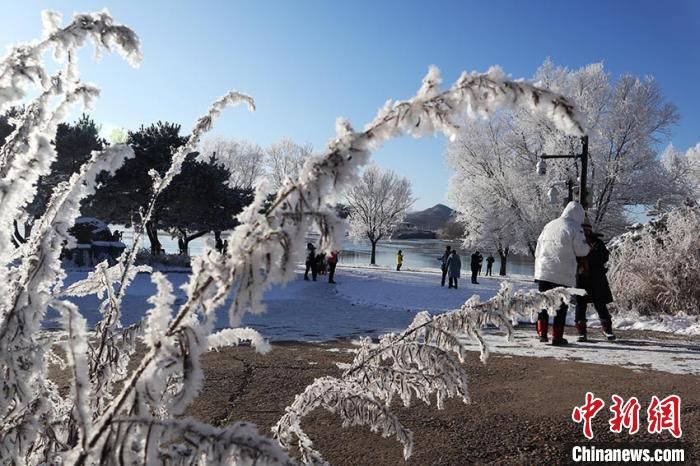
x=454 y=267
x=399 y=260
x=560 y=244
x=443 y=264
x=476 y=265
x=332 y=261
x=310 y=262
x=592 y=278
x=489 y=265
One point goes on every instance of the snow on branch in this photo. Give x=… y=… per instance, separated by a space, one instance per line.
x=76 y=349
x=29 y=153
x=23 y=64
x=352 y=402
x=29 y=294
x=99 y=279
x=30 y=405
x=190 y=442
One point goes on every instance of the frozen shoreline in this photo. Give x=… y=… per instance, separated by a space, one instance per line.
x=375 y=288
x=371 y=301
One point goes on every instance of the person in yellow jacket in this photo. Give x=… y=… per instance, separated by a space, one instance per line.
x=399 y=260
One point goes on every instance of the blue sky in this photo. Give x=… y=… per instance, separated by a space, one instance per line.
x=308 y=62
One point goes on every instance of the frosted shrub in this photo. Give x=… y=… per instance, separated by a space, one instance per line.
x=655 y=269
x=121 y=413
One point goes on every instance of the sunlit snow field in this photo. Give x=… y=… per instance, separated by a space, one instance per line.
x=370 y=301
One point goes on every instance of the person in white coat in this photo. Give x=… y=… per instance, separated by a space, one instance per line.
x=560 y=244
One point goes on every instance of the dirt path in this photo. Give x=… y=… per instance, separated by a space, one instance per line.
x=521 y=410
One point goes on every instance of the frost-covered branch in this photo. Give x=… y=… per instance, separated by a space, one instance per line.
x=24 y=307
x=236 y=336
x=187 y=442
x=103 y=363
x=35 y=417
x=352 y=402
x=23 y=65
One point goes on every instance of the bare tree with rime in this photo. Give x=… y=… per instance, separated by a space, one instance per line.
x=377 y=205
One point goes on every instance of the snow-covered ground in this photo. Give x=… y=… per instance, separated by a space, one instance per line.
x=369 y=301
x=674 y=356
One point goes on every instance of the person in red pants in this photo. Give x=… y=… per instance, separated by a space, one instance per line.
x=332 y=261
x=559 y=245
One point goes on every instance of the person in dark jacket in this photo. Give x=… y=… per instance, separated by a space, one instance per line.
x=310 y=262
x=591 y=276
x=443 y=263
x=399 y=260
x=489 y=265
x=454 y=267
x=332 y=261
x=477 y=258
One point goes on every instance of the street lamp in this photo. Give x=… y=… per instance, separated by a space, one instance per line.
x=541 y=167
x=553 y=192
x=582 y=192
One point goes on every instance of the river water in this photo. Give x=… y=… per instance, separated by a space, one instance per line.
x=417 y=253
x=422 y=253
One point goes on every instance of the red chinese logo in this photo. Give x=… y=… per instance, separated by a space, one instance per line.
x=661 y=415
x=587 y=412
x=665 y=415
x=624 y=415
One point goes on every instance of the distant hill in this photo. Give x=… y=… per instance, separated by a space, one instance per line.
x=433 y=218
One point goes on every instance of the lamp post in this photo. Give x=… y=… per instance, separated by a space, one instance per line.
x=583 y=192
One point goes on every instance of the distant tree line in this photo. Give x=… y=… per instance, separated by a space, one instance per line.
x=216 y=182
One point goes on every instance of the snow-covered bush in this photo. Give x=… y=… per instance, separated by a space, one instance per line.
x=655 y=268
x=122 y=413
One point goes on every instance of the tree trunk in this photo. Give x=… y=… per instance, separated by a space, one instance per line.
x=28 y=227
x=219 y=244
x=503 y=253
x=373 y=257
x=152 y=232
x=186 y=240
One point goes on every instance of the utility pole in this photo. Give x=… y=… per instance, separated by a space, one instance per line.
x=583 y=191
